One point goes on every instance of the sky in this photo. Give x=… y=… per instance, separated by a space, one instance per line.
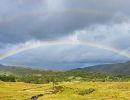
x=64 y=34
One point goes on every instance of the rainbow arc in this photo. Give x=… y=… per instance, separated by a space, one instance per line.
x=36 y=44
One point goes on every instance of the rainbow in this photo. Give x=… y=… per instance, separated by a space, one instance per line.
x=36 y=44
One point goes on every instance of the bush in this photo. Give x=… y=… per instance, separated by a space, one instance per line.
x=86 y=91
x=9 y=78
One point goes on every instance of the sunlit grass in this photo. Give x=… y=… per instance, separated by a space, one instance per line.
x=70 y=91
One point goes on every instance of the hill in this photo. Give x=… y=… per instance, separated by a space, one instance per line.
x=121 y=68
x=20 y=70
x=2 y=67
x=31 y=75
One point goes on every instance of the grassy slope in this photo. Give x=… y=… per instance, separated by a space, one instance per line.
x=104 y=91
x=25 y=71
x=122 y=68
x=41 y=76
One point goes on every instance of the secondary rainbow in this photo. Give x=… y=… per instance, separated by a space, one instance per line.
x=46 y=13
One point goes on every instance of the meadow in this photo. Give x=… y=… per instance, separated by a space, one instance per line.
x=75 y=90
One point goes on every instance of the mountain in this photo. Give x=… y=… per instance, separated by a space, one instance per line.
x=20 y=70
x=121 y=68
x=31 y=75
x=2 y=67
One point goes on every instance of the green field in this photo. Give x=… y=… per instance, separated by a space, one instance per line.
x=65 y=91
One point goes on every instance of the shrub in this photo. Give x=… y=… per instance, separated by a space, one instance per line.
x=86 y=91
x=9 y=78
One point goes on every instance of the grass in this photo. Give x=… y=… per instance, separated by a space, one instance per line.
x=66 y=91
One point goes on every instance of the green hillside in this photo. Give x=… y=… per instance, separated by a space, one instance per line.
x=122 y=68
x=30 y=75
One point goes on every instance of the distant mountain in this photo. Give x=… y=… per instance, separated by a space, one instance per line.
x=2 y=67
x=122 y=68
x=20 y=70
x=31 y=75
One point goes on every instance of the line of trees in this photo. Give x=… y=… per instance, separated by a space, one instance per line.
x=64 y=76
x=9 y=78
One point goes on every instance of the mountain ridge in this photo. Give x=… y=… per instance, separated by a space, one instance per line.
x=120 y=68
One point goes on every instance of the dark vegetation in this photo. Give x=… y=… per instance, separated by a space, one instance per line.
x=86 y=91
x=9 y=78
x=36 y=97
x=38 y=76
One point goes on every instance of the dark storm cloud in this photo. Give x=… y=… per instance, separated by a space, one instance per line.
x=23 y=20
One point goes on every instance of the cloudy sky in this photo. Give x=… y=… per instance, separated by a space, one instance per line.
x=101 y=26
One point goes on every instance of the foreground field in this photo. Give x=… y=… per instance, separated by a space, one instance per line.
x=65 y=91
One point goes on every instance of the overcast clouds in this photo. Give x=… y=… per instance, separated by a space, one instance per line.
x=21 y=20
x=103 y=21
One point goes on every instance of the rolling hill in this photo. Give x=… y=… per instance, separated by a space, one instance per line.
x=17 y=70
x=2 y=67
x=121 y=68
x=31 y=75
